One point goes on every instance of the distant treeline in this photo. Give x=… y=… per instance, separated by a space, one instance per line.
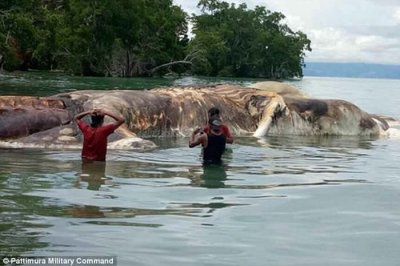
x=352 y=70
x=129 y=38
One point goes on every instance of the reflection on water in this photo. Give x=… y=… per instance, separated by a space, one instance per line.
x=46 y=83
x=212 y=176
x=94 y=173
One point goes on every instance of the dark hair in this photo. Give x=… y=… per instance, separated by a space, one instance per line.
x=96 y=120
x=213 y=111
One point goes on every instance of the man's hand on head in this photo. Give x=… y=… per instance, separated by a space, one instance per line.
x=98 y=112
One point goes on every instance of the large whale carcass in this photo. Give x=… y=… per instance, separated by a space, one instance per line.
x=274 y=109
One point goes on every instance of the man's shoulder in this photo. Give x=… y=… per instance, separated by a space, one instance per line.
x=225 y=128
x=82 y=125
x=109 y=127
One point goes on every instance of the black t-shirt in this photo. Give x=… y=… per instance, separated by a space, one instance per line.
x=215 y=148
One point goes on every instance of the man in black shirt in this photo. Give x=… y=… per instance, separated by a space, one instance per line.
x=213 y=142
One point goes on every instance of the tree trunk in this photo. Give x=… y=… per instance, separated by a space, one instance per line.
x=1 y=62
x=155 y=69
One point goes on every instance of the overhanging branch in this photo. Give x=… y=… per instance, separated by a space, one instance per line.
x=155 y=69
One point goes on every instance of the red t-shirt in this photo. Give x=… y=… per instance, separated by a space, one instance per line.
x=224 y=129
x=95 y=141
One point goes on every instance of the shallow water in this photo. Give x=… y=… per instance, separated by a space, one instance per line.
x=275 y=201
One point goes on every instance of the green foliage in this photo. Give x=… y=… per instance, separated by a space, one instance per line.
x=151 y=32
x=125 y=37
x=26 y=33
x=236 y=41
x=89 y=37
x=136 y=37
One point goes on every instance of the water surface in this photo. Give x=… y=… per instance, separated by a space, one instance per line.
x=275 y=201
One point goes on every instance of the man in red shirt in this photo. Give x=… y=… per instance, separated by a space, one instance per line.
x=214 y=113
x=95 y=135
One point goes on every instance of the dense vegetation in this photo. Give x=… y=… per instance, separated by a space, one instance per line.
x=142 y=38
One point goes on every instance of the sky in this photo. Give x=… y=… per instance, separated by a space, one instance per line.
x=356 y=31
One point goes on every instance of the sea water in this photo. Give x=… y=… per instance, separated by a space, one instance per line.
x=286 y=200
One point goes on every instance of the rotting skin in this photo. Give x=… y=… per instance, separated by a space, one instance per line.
x=173 y=112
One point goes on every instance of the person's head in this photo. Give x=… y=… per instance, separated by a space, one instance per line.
x=96 y=120
x=215 y=123
x=213 y=111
